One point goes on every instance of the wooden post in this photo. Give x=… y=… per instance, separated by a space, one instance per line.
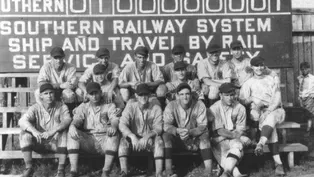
x=284 y=135
x=291 y=159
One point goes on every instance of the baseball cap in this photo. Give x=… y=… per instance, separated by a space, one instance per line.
x=227 y=88
x=214 y=48
x=142 y=50
x=99 y=69
x=102 y=52
x=46 y=86
x=235 y=44
x=257 y=61
x=179 y=65
x=142 y=89
x=178 y=49
x=183 y=86
x=57 y=51
x=92 y=87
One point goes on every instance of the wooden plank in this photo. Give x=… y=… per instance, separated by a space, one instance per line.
x=6 y=131
x=296 y=22
x=10 y=89
x=294 y=147
x=283 y=75
x=306 y=19
x=18 y=74
x=288 y=125
x=13 y=109
x=307 y=49
x=19 y=155
x=291 y=159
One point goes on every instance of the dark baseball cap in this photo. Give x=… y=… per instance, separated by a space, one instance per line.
x=142 y=89
x=179 y=65
x=57 y=51
x=257 y=61
x=213 y=48
x=235 y=44
x=227 y=88
x=178 y=49
x=92 y=87
x=142 y=50
x=46 y=86
x=183 y=86
x=99 y=69
x=102 y=52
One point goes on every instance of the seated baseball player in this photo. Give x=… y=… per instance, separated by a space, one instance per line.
x=178 y=54
x=229 y=123
x=185 y=127
x=61 y=75
x=142 y=71
x=141 y=127
x=106 y=75
x=180 y=70
x=94 y=129
x=44 y=129
x=262 y=93
x=212 y=72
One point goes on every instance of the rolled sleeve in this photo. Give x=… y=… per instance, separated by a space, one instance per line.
x=115 y=71
x=157 y=75
x=43 y=75
x=79 y=115
x=111 y=113
x=201 y=70
x=125 y=119
x=241 y=119
x=169 y=121
x=217 y=122
x=87 y=75
x=65 y=114
x=123 y=77
x=245 y=92
x=28 y=119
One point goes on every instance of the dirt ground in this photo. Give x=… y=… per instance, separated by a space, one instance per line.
x=187 y=166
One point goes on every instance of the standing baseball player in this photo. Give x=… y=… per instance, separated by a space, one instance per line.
x=60 y=74
x=94 y=129
x=239 y=64
x=108 y=78
x=185 y=126
x=229 y=123
x=44 y=129
x=180 y=70
x=178 y=54
x=141 y=126
x=306 y=93
x=262 y=93
x=212 y=72
x=142 y=71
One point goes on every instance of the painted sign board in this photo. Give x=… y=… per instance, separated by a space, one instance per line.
x=29 y=29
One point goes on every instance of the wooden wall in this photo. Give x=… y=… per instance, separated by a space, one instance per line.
x=303 y=50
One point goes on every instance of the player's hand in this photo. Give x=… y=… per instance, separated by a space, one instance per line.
x=111 y=131
x=236 y=135
x=170 y=86
x=37 y=135
x=143 y=142
x=109 y=97
x=184 y=133
x=73 y=132
x=118 y=112
x=48 y=134
x=134 y=141
x=65 y=85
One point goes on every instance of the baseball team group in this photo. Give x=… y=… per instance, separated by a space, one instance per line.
x=217 y=108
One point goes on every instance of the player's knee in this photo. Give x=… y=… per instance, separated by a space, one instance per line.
x=72 y=143
x=159 y=143
x=161 y=90
x=204 y=141
x=68 y=96
x=213 y=93
x=79 y=94
x=235 y=153
x=167 y=140
x=125 y=94
x=205 y=89
x=123 y=147
x=26 y=139
x=113 y=143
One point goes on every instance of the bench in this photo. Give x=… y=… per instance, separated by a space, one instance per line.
x=16 y=98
